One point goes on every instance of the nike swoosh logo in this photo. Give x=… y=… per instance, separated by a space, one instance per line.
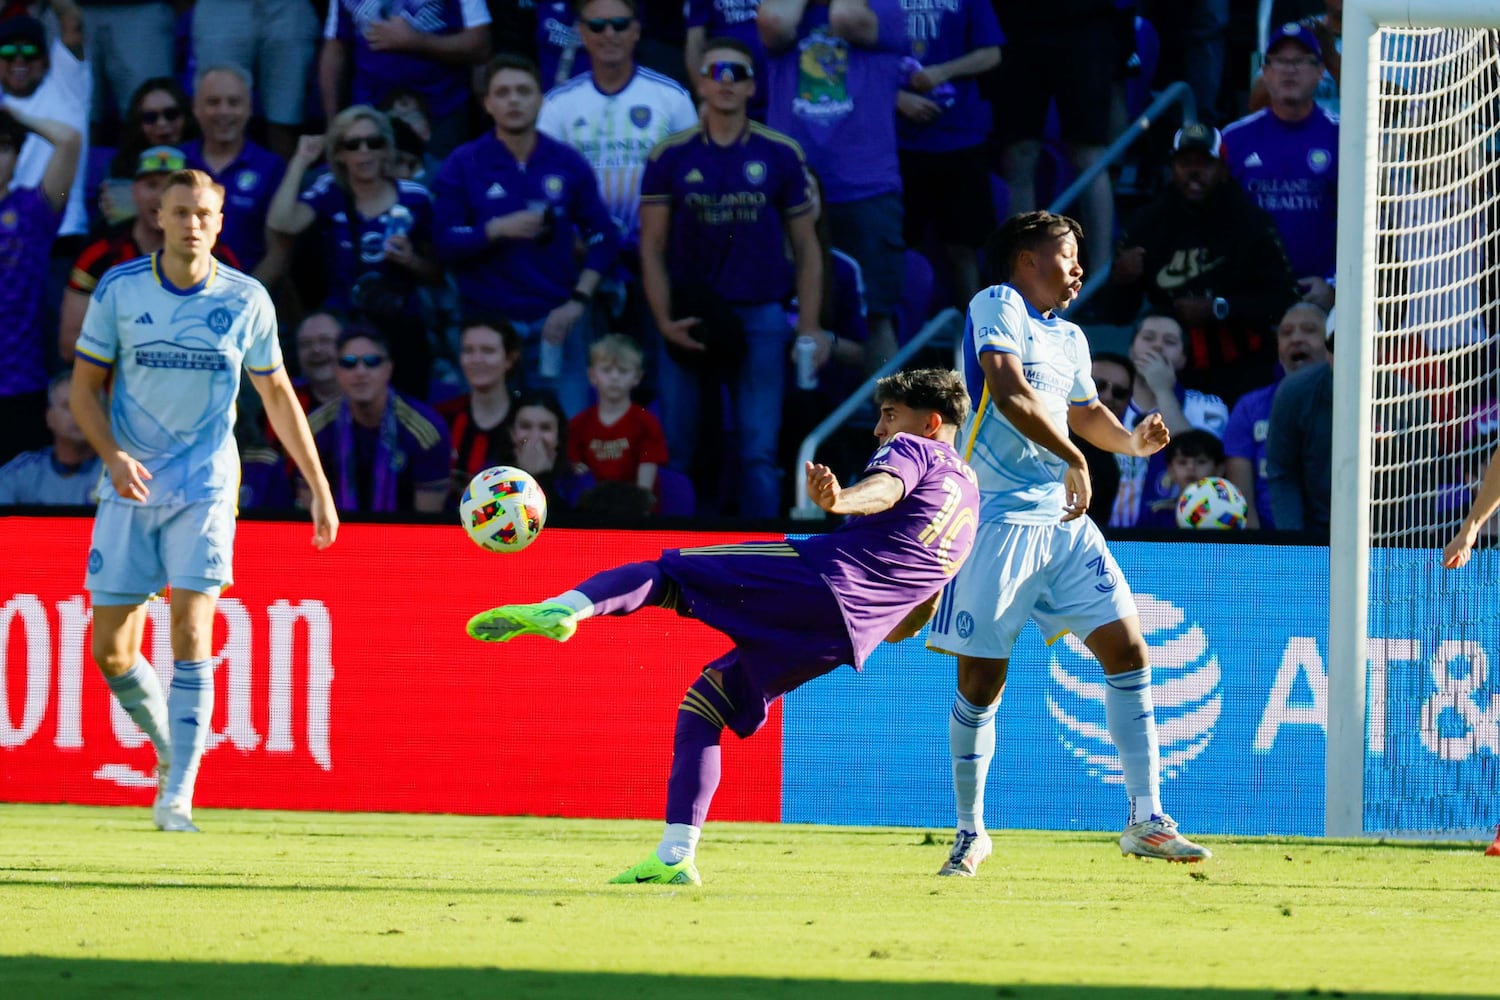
x=1176 y=274
x=643 y=878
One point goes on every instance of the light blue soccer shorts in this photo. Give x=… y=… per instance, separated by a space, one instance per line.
x=1061 y=575
x=137 y=550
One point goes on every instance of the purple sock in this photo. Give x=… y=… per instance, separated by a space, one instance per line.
x=695 y=752
x=624 y=589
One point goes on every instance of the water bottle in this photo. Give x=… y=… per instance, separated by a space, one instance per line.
x=807 y=368
x=549 y=359
x=397 y=222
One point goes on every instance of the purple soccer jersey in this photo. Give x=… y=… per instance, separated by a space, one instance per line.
x=880 y=566
x=27 y=227
x=1291 y=169
x=941 y=31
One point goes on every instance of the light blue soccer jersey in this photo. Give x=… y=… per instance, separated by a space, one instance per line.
x=1020 y=482
x=176 y=355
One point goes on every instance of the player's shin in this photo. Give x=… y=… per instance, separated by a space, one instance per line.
x=139 y=692
x=618 y=591
x=695 y=773
x=190 y=705
x=971 y=740
x=1131 y=719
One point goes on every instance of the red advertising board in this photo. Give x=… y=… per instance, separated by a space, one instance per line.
x=345 y=681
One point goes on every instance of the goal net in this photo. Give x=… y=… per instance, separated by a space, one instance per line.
x=1414 y=716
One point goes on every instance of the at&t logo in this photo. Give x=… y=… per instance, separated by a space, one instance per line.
x=1185 y=687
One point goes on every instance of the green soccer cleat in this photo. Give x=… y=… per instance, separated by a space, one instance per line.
x=657 y=871
x=547 y=619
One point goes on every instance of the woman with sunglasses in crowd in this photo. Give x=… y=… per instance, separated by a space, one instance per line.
x=159 y=114
x=376 y=234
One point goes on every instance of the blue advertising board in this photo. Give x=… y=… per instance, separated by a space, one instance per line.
x=1238 y=638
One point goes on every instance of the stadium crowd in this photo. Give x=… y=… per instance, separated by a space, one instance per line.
x=587 y=238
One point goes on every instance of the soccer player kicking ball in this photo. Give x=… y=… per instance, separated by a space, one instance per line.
x=173 y=329
x=795 y=609
x=1036 y=555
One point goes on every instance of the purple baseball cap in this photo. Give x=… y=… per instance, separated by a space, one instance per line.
x=1295 y=31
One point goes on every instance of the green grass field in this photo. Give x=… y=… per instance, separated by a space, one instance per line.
x=93 y=902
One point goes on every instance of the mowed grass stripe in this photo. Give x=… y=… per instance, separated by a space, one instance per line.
x=95 y=902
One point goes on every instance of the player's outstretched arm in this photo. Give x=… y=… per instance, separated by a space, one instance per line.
x=1458 y=549
x=286 y=417
x=1100 y=428
x=915 y=619
x=871 y=495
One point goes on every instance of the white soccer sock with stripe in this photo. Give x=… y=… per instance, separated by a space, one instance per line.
x=190 y=706
x=971 y=740
x=578 y=601
x=678 y=841
x=139 y=693
x=1131 y=719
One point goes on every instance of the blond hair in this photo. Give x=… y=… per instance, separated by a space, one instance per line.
x=340 y=126
x=195 y=180
x=618 y=348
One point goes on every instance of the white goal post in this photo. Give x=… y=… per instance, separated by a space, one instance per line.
x=1418 y=75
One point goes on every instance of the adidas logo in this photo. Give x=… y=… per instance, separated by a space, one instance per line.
x=694 y=177
x=495 y=191
x=144 y=319
x=1253 y=160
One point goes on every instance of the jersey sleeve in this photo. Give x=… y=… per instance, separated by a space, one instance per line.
x=99 y=339
x=998 y=322
x=901 y=457
x=1239 y=433
x=656 y=181
x=262 y=345
x=1084 y=390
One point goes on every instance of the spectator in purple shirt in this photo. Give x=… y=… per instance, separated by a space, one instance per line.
x=511 y=208
x=795 y=610
x=29 y=217
x=376 y=233
x=1286 y=157
x=249 y=173
x=559 y=47
x=383 y=451
x=726 y=19
x=834 y=70
x=719 y=203
x=942 y=130
x=430 y=46
x=1300 y=343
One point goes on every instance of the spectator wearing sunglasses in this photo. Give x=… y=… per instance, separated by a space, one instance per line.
x=249 y=173
x=511 y=208
x=383 y=451
x=51 y=81
x=726 y=19
x=140 y=237
x=159 y=114
x=28 y=223
x=834 y=70
x=719 y=204
x=619 y=111
x=431 y=47
x=375 y=230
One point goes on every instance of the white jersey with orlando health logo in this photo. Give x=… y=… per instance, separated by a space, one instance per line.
x=616 y=133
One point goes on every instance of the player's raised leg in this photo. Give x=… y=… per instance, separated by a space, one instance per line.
x=1131 y=719
x=617 y=591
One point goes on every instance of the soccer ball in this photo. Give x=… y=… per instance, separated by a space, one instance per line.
x=503 y=509
x=1212 y=503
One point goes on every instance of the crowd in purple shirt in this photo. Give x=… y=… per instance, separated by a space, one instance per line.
x=899 y=124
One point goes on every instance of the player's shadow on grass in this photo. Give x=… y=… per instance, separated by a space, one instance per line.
x=54 y=978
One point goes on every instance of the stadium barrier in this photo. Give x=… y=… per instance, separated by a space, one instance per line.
x=345 y=682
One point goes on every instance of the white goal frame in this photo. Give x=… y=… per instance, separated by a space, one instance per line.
x=1349 y=529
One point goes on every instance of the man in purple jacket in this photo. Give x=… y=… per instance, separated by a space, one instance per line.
x=509 y=208
x=796 y=609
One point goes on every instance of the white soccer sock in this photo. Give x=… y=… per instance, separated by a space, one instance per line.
x=578 y=601
x=1132 y=726
x=971 y=740
x=138 y=690
x=678 y=841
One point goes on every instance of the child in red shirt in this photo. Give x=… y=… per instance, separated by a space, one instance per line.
x=615 y=439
